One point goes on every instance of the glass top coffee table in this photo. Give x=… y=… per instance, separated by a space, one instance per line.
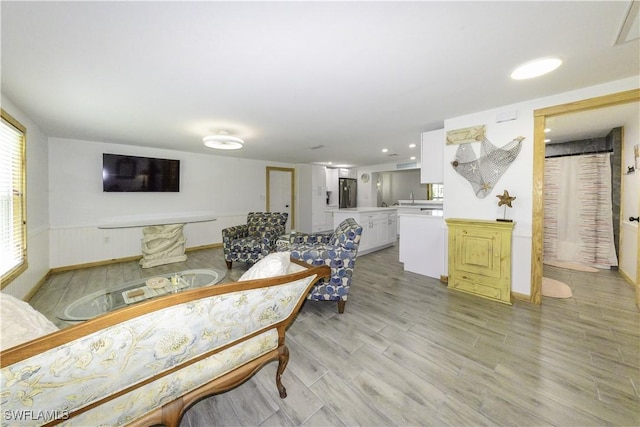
x=106 y=300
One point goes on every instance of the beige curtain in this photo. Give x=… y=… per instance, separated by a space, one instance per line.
x=578 y=223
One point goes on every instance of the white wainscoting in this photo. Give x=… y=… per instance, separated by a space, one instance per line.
x=81 y=245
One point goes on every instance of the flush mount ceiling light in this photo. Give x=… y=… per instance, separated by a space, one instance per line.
x=535 y=68
x=223 y=141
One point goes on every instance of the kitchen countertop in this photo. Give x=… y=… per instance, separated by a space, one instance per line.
x=429 y=213
x=362 y=209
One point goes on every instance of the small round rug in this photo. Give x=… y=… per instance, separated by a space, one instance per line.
x=555 y=288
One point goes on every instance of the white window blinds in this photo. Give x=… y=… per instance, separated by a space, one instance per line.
x=13 y=254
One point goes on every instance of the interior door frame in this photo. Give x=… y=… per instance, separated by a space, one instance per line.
x=293 y=191
x=539 y=117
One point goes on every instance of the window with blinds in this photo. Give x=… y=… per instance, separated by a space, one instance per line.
x=13 y=240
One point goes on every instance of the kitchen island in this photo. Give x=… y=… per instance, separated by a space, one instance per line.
x=423 y=242
x=379 y=226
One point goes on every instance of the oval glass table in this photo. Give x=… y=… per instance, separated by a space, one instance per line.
x=106 y=300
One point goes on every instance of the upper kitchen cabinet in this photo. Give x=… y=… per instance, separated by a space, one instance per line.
x=432 y=151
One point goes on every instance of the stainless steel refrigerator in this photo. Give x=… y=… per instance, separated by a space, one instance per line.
x=348 y=193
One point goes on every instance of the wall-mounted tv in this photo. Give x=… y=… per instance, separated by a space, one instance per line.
x=122 y=173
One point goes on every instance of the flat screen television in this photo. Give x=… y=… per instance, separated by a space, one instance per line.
x=122 y=173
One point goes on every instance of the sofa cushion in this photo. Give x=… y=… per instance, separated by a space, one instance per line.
x=21 y=322
x=275 y=264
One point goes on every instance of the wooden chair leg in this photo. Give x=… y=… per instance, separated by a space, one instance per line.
x=283 y=359
x=229 y=264
x=341 y=304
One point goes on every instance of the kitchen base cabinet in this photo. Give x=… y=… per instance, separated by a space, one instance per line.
x=480 y=258
x=379 y=226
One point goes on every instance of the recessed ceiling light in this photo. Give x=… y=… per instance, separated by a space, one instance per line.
x=412 y=145
x=547 y=130
x=535 y=68
x=412 y=157
x=384 y=150
x=547 y=140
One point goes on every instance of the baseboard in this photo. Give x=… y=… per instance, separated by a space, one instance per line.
x=521 y=297
x=37 y=287
x=626 y=277
x=124 y=259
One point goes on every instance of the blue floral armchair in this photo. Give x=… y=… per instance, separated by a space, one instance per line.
x=338 y=250
x=254 y=240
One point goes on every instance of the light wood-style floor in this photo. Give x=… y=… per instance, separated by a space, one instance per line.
x=410 y=352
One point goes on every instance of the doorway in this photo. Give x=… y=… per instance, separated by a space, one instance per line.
x=540 y=118
x=280 y=191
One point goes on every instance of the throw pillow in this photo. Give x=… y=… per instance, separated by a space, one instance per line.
x=275 y=264
x=21 y=322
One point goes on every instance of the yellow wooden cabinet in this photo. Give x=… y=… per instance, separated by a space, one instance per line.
x=480 y=258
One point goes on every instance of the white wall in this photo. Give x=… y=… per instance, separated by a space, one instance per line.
x=368 y=193
x=461 y=202
x=630 y=203
x=227 y=186
x=37 y=205
x=398 y=185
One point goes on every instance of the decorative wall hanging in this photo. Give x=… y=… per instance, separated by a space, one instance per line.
x=484 y=172
x=466 y=135
x=506 y=200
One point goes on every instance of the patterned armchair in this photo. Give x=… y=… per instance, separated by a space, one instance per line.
x=254 y=240
x=338 y=250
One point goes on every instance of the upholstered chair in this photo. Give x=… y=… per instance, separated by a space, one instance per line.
x=338 y=250
x=254 y=240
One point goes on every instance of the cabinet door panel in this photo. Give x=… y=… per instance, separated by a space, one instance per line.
x=478 y=253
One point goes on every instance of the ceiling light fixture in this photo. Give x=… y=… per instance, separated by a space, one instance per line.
x=535 y=68
x=223 y=141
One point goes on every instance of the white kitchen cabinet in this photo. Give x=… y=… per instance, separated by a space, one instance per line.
x=379 y=226
x=319 y=199
x=432 y=152
x=312 y=199
x=347 y=173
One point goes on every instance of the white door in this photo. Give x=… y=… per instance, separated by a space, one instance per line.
x=280 y=192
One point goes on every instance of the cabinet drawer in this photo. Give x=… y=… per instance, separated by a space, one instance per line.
x=481 y=279
x=476 y=288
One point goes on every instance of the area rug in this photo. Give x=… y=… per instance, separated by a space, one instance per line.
x=571 y=266
x=555 y=288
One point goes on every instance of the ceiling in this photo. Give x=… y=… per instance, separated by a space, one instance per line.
x=300 y=82
x=590 y=124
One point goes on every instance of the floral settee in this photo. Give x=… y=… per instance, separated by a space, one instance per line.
x=147 y=363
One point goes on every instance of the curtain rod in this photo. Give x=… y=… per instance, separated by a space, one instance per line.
x=578 y=154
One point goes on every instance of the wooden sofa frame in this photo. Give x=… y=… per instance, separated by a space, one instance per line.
x=170 y=413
